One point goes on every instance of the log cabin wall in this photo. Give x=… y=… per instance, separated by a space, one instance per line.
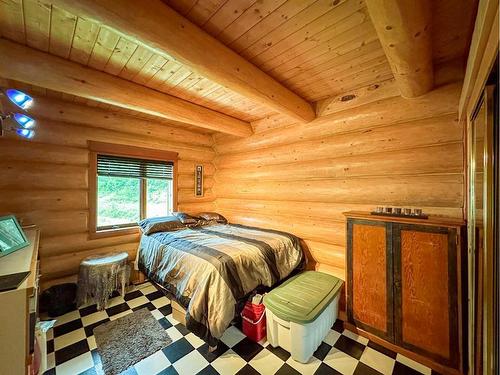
x=45 y=180
x=382 y=152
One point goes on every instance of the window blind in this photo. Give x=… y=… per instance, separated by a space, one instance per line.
x=118 y=166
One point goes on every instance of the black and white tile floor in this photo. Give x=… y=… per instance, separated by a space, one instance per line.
x=72 y=348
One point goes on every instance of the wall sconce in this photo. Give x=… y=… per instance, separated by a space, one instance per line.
x=23 y=124
x=19 y=98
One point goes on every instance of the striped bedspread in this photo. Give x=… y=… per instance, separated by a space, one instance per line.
x=210 y=268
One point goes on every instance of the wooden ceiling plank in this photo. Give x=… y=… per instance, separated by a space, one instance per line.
x=152 y=66
x=329 y=49
x=122 y=53
x=334 y=16
x=269 y=23
x=311 y=47
x=248 y=19
x=349 y=71
x=222 y=98
x=135 y=64
x=189 y=45
x=182 y=89
x=180 y=75
x=105 y=44
x=83 y=40
x=37 y=23
x=62 y=29
x=344 y=63
x=12 y=20
x=404 y=29
x=164 y=74
x=204 y=87
x=226 y=15
x=381 y=72
x=293 y=24
x=41 y=69
x=217 y=93
x=355 y=48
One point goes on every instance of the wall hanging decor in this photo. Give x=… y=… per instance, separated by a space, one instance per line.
x=198 y=186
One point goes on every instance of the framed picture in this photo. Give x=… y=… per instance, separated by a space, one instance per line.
x=198 y=183
x=12 y=237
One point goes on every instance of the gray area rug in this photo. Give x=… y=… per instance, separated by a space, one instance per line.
x=129 y=339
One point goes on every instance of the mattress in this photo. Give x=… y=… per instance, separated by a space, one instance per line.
x=209 y=269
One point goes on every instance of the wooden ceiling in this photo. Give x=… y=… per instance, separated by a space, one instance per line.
x=316 y=48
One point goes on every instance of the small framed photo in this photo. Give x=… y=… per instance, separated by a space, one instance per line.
x=198 y=183
x=12 y=237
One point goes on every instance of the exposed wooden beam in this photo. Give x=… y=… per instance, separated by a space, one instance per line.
x=158 y=26
x=404 y=29
x=41 y=69
x=75 y=113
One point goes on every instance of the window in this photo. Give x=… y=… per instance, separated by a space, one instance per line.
x=128 y=184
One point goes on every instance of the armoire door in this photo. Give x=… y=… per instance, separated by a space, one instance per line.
x=369 y=264
x=425 y=293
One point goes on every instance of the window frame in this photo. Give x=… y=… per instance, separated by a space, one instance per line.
x=96 y=148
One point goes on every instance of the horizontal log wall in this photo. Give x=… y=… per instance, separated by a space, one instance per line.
x=300 y=178
x=45 y=182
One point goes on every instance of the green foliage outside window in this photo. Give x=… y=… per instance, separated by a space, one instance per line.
x=119 y=199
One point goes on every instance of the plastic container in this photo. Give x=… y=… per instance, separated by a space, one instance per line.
x=301 y=311
x=301 y=340
x=254 y=321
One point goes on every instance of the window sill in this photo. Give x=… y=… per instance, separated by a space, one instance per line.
x=113 y=232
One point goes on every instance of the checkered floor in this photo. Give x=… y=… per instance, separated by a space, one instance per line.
x=72 y=348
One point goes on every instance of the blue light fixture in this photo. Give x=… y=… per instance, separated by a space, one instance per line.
x=24 y=121
x=19 y=98
x=18 y=123
x=25 y=133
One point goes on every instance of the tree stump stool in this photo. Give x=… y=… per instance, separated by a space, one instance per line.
x=100 y=275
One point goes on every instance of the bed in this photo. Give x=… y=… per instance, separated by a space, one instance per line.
x=209 y=269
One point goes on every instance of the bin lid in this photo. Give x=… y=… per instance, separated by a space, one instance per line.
x=303 y=297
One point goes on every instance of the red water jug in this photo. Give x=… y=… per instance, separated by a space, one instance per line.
x=254 y=321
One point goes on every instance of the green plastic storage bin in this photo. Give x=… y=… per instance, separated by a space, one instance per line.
x=303 y=297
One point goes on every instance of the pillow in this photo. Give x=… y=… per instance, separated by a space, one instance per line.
x=204 y=223
x=161 y=224
x=210 y=216
x=185 y=218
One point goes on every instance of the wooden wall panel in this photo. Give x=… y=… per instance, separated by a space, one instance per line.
x=300 y=178
x=45 y=182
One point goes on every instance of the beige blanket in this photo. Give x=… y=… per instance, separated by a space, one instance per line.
x=208 y=269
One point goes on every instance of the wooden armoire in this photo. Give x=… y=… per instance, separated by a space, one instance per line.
x=405 y=288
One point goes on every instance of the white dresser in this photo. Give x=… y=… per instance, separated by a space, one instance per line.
x=18 y=308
